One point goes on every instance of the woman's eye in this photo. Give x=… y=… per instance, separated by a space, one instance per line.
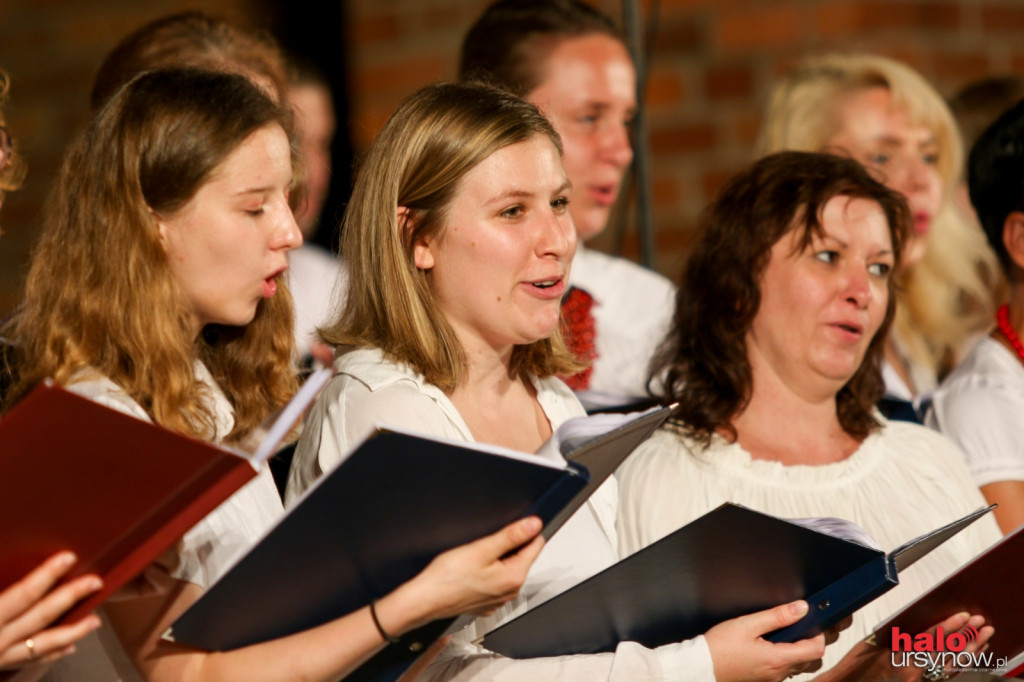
x=880 y=269
x=931 y=158
x=254 y=212
x=878 y=159
x=561 y=204
x=512 y=212
x=826 y=256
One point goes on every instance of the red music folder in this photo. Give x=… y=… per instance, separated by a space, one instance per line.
x=989 y=584
x=116 y=490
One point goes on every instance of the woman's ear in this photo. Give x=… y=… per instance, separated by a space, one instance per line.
x=422 y=256
x=1013 y=238
x=161 y=227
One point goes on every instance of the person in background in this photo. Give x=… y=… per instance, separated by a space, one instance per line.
x=980 y=404
x=315 y=276
x=975 y=107
x=158 y=289
x=780 y=321
x=29 y=607
x=886 y=116
x=196 y=40
x=569 y=59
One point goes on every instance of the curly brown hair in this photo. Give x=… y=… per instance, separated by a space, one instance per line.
x=703 y=363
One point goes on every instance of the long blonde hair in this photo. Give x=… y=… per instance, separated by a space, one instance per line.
x=100 y=293
x=949 y=296
x=426 y=147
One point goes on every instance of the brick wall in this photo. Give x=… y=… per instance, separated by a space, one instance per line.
x=712 y=67
x=51 y=50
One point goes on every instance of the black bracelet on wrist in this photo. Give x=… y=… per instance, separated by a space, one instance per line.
x=380 y=628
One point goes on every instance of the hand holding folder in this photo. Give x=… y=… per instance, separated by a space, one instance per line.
x=730 y=562
x=116 y=490
x=380 y=516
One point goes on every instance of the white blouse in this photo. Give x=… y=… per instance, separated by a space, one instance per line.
x=633 y=309
x=903 y=481
x=199 y=557
x=371 y=390
x=981 y=407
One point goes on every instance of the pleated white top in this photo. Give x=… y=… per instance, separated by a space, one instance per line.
x=902 y=482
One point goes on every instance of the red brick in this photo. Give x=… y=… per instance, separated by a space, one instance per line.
x=364 y=126
x=664 y=191
x=962 y=67
x=664 y=88
x=676 y=238
x=714 y=180
x=767 y=26
x=946 y=15
x=746 y=128
x=682 y=35
x=401 y=75
x=907 y=14
x=838 y=19
x=684 y=138
x=375 y=29
x=669 y=5
x=1003 y=18
x=728 y=82
x=867 y=16
x=444 y=19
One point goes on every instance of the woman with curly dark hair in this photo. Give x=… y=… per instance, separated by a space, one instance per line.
x=774 y=361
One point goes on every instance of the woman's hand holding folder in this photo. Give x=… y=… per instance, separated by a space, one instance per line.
x=477 y=577
x=30 y=605
x=740 y=653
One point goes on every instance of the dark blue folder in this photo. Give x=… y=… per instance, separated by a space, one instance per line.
x=727 y=563
x=378 y=519
x=366 y=527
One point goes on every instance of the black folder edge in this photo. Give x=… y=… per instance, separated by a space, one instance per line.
x=571 y=478
x=905 y=555
x=831 y=604
x=393 y=660
x=502 y=639
x=852 y=593
x=634 y=433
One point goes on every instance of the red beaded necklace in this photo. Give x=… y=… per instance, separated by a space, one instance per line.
x=1007 y=330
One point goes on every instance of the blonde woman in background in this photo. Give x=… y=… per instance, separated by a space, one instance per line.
x=886 y=116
